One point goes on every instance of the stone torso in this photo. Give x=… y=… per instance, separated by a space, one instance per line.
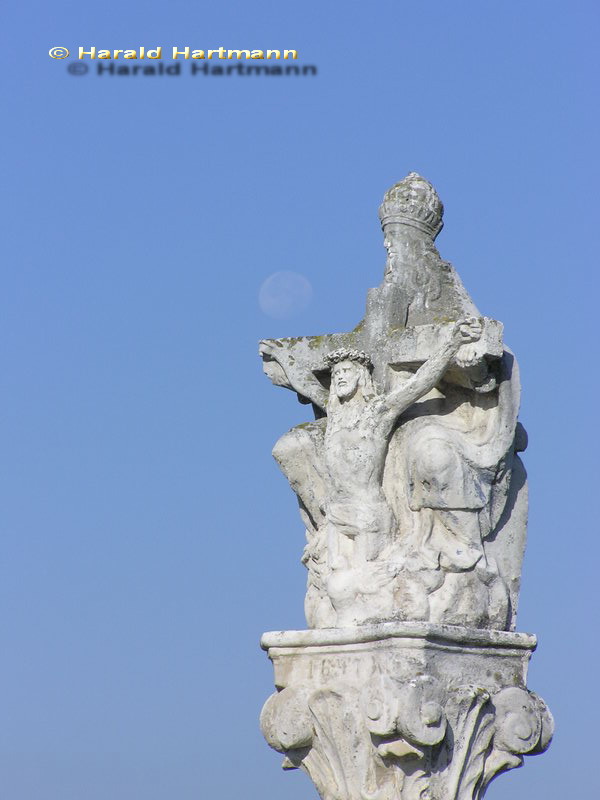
x=355 y=447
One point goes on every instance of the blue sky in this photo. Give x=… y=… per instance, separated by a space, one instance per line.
x=147 y=536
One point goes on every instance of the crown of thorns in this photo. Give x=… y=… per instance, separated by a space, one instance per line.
x=344 y=354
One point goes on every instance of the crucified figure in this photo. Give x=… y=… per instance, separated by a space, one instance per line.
x=336 y=467
x=358 y=430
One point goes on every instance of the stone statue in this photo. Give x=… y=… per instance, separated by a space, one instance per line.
x=414 y=501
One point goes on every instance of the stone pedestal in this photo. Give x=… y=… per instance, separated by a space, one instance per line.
x=403 y=710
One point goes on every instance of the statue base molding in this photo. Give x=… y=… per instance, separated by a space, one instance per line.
x=403 y=710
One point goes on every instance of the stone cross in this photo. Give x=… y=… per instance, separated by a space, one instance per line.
x=298 y=362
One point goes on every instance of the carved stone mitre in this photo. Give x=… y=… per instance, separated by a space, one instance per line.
x=413 y=201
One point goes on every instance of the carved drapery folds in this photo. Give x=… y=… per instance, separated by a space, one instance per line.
x=414 y=500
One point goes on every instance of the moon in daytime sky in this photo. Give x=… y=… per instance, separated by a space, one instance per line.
x=285 y=294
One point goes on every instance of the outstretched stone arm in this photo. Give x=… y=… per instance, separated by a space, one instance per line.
x=285 y=362
x=431 y=372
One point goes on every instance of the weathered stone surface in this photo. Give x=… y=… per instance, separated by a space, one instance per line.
x=415 y=504
x=403 y=710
